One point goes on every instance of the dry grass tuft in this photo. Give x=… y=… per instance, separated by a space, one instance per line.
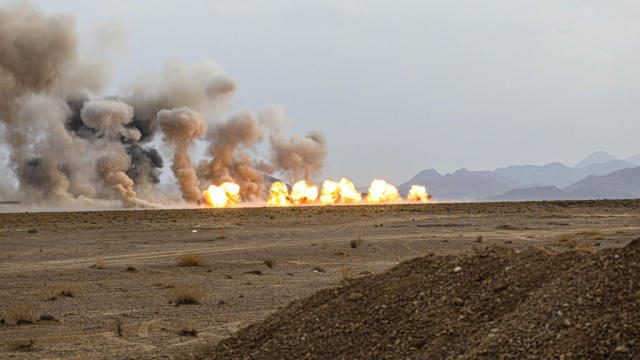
x=65 y=288
x=191 y=259
x=270 y=262
x=99 y=265
x=23 y=314
x=348 y=274
x=188 y=332
x=186 y=294
x=568 y=241
x=23 y=345
x=118 y=327
x=355 y=243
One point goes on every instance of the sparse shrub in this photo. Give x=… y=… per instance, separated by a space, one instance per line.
x=269 y=262
x=191 y=259
x=23 y=314
x=355 y=243
x=186 y=294
x=568 y=241
x=348 y=274
x=118 y=327
x=23 y=345
x=47 y=317
x=100 y=265
x=65 y=288
x=592 y=234
x=188 y=332
x=131 y=268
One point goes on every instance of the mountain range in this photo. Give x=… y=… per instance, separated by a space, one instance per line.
x=600 y=175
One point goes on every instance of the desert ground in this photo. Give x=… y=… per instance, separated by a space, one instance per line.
x=121 y=266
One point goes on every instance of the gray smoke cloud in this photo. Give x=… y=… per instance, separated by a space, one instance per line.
x=66 y=143
x=229 y=142
x=300 y=157
x=180 y=127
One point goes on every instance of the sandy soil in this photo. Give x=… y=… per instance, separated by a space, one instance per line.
x=38 y=250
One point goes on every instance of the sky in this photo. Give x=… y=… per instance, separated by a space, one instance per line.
x=401 y=86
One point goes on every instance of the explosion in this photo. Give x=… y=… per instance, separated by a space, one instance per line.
x=301 y=193
x=278 y=194
x=70 y=144
x=225 y=195
x=381 y=191
x=418 y=193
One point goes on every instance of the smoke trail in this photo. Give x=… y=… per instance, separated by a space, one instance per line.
x=180 y=127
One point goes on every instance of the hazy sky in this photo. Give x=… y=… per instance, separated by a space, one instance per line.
x=400 y=86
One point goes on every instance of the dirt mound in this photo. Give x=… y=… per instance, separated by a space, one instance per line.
x=494 y=304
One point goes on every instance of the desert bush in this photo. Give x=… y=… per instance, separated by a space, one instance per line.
x=269 y=262
x=23 y=314
x=188 y=332
x=186 y=294
x=568 y=241
x=355 y=243
x=118 y=327
x=65 y=288
x=191 y=259
x=99 y=265
x=348 y=274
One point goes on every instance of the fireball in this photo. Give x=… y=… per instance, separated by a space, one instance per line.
x=226 y=194
x=348 y=192
x=278 y=194
x=418 y=193
x=301 y=193
x=330 y=192
x=381 y=191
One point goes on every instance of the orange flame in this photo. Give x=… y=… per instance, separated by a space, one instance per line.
x=418 y=193
x=348 y=192
x=278 y=194
x=226 y=194
x=330 y=192
x=343 y=191
x=301 y=193
x=381 y=191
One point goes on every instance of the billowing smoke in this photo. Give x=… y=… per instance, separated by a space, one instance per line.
x=67 y=143
x=300 y=157
x=240 y=132
x=180 y=127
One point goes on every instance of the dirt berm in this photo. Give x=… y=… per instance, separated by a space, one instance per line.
x=494 y=304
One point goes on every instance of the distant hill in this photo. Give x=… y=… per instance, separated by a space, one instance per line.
x=597 y=157
x=537 y=193
x=460 y=185
x=558 y=174
x=619 y=184
x=599 y=175
x=634 y=159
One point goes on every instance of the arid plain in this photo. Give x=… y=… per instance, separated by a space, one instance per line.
x=121 y=266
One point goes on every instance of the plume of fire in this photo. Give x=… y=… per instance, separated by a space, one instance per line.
x=381 y=191
x=301 y=193
x=343 y=191
x=348 y=192
x=278 y=195
x=330 y=192
x=227 y=194
x=418 y=193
